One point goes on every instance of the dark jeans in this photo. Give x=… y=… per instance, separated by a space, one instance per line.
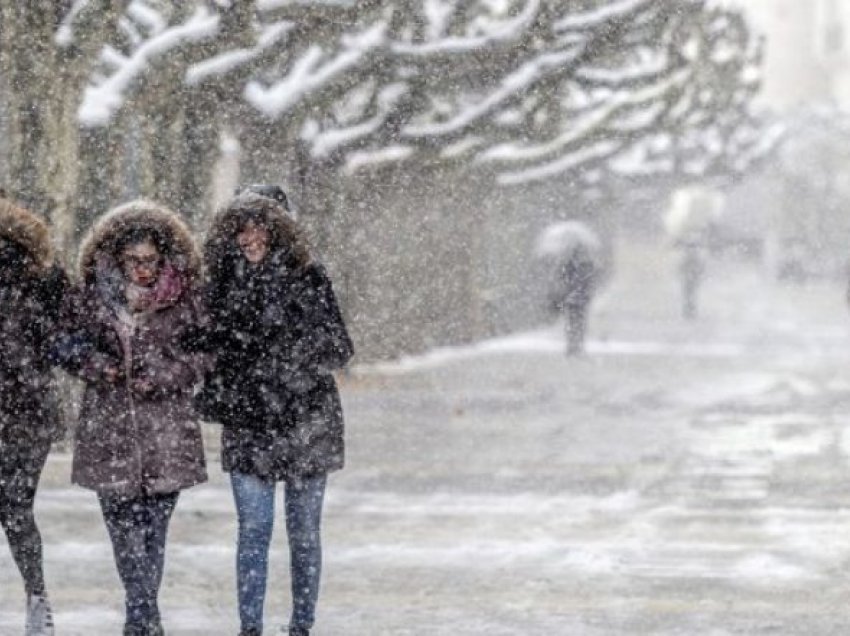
x=20 y=470
x=303 y=500
x=138 y=528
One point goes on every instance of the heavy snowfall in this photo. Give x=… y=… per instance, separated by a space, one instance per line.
x=499 y=317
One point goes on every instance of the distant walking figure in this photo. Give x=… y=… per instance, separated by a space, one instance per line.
x=578 y=276
x=31 y=292
x=573 y=251
x=691 y=272
x=138 y=443
x=277 y=335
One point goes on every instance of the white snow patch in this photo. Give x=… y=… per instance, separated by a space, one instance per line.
x=767 y=568
x=326 y=142
x=510 y=30
x=577 y=131
x=226 y=62
x=308 y=74
x=270 y=5
x=65 y=33
x=607 y=12
x=438 y=13
x=571 y=161
x=229 y=144
x=730 y=388
x=509 y=87
x=111 y=56
x=101 y=101
x=147 y=16
x=648 y=67
x=549 y=340
x=373 y=158
x=777 y=437
x=462 y=147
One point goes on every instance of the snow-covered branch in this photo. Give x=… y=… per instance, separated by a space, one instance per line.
x=102 y=100
x=588 y=125
x=508 y=32
x=312 y=71
x=532 y=88
x=219 y=65
x=607 y=13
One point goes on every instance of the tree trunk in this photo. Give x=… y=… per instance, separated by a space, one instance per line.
x=28 y=58
x=46 y=154
x=97 y=184
x=200 y=152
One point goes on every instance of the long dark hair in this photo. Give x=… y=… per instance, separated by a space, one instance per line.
x=137 y=235
x=221 y=250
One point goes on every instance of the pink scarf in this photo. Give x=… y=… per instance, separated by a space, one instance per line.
x=169 y=287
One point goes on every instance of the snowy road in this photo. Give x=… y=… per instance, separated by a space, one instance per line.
x=672 y=482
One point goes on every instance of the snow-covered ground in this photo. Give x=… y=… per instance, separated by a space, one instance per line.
x=679 y=479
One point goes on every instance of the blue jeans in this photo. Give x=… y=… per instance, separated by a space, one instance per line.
x=138 y=528
x=303 y=499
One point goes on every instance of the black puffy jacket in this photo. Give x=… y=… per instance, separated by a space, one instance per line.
x=277 y=334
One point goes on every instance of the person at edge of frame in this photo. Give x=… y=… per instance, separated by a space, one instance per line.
x=32 y=289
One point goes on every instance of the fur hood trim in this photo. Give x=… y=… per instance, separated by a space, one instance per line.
x=28 y=230
x=285 y=232
x=140 y=215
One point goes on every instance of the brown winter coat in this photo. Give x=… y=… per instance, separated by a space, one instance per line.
x=127 y=444
x=29 y=306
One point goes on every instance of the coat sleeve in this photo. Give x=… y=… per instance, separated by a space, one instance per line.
x=74 y=346
x=176 y=367
x=327 y=343
x=70 y=344
x=52 y=292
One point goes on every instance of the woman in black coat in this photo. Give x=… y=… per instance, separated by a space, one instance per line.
x=277 y=335
x=32 y=287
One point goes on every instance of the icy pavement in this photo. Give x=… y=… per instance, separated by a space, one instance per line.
x=680 y=479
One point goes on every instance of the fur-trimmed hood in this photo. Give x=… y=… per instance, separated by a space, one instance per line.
x=102 y=238
x=220 y=244
x=25 y=228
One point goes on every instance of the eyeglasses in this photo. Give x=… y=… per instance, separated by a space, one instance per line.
x=253 y=241
x=137 y=262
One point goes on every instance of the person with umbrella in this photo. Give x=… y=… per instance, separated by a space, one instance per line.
x=575 y=249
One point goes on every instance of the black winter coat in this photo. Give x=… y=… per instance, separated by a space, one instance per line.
x=29 y=312
x=277 y=334
x=576 y=283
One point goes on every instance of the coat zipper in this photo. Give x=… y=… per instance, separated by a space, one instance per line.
x=128 y=374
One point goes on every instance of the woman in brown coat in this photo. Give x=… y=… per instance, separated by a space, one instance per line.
x=31 y=290
x=138 y=442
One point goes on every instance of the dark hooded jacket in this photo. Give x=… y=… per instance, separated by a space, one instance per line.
x=126 y=443
x=277 y=333
x=32 y=287
x=577 y=280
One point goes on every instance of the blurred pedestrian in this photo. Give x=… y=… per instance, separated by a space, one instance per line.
x=138 y=443
x=691 y=273
x=32 y=287
x=578 y=276
x=278 y=335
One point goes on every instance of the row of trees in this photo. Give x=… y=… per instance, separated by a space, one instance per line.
x=105 y=98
